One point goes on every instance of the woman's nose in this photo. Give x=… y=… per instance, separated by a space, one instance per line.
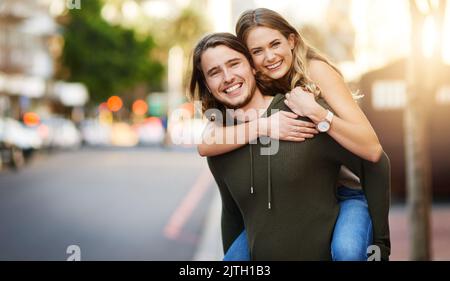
x=270 y=56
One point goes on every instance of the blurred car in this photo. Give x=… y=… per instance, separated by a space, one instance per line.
x=123 y=135
x=58 y=132
x=95 y=133
x=17 y=142
x=150 y=132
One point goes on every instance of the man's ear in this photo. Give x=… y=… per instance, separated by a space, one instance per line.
x=208 y=88
x=253 y=71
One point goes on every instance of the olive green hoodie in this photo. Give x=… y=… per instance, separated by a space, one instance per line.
x=287 y=201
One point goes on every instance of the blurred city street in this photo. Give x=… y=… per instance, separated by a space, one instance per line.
x=120 y=204
x=115 y=204
x=99 y=124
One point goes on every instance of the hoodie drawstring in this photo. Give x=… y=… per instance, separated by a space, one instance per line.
x=251 y=169
x=269 y=178
x=269 y=182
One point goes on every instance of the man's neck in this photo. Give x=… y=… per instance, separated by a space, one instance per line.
x=258 y=104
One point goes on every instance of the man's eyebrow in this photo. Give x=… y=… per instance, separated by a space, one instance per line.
x=212 y=69
x=227 y=62
x=233 y=60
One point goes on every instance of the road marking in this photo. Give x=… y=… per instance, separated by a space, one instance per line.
x=181 y=215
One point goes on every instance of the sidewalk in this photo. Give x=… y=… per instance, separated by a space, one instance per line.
x=440 y=232
x=210 y=246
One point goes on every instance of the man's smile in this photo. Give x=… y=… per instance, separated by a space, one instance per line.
x=234 y=89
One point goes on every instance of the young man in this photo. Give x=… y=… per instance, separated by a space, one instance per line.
x=286 y=200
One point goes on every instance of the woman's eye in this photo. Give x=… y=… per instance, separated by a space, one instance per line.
x=257 y=52
x=234 y=64
x=276 y=44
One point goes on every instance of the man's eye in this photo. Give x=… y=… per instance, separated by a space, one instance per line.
x=234 y=64
x=276 y=44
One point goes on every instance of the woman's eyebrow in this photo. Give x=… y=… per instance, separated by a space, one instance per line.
x=274 y=41
x=271 y=43
x=256 y=48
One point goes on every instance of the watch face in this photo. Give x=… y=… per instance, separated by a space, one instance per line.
x=323 y=126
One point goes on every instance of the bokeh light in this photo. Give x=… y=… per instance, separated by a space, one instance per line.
x=31 y=119
x=140 y=107
x=114 y=103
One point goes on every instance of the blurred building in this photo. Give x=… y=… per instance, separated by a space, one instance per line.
x=29 y=45
x=25 y=62
x=384 y=101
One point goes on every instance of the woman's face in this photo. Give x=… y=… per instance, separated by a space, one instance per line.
x=271 y=51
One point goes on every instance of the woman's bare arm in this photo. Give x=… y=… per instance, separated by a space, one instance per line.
x=218 y=139
x=350 y=127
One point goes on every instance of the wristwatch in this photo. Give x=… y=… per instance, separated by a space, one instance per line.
x=324 y=125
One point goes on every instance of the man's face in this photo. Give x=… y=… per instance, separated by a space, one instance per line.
x=229 y=76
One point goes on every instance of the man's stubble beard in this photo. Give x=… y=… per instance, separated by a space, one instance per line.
x=243 y=103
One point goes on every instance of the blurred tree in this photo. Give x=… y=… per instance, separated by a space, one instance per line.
x=422 y=86
x=108 y=59
x=186 y=29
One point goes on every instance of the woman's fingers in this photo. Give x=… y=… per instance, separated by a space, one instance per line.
x=306 y=130
x=288 y=103
x=289 y=114
x=289 y=138
x=300 y=123
x=300 y=135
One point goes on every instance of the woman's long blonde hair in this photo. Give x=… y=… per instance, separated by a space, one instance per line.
x=302 y=53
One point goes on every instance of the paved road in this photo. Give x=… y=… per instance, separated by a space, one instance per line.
x=115 y=204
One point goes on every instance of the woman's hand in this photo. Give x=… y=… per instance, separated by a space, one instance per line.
x=303 y=103
x=284 y=126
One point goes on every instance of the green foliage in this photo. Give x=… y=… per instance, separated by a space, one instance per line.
x=108 y=59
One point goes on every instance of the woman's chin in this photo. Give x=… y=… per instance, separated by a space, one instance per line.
x=276 y=74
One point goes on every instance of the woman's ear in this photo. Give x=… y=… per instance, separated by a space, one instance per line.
x=291 y=41
x=253 y=71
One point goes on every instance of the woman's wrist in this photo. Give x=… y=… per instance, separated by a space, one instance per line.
x=318 y=114
x=262 y=125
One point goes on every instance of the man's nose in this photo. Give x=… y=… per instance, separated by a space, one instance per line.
x=228 y=76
